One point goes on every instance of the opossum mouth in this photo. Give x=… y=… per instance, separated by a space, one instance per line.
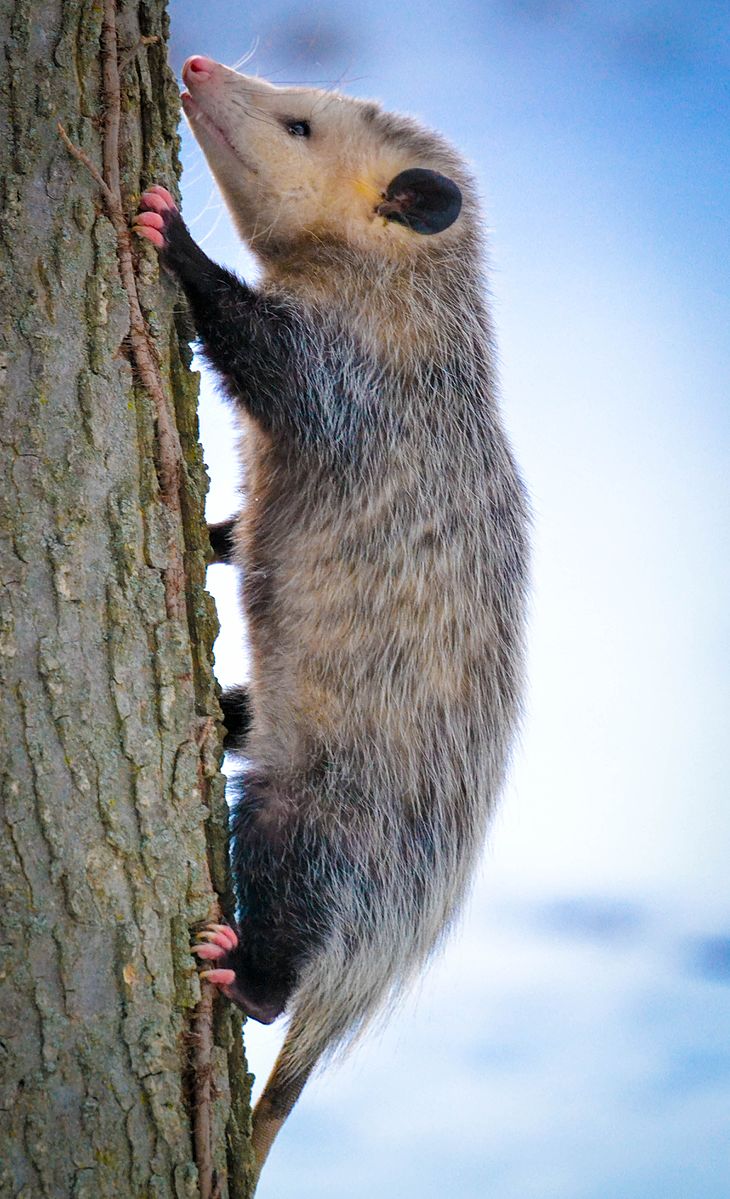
x=196 y=114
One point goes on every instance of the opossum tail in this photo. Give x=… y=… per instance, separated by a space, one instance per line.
x=334 y=1003
x=283 y=1087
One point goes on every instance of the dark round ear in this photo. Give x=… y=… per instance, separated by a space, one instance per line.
x=424 y=200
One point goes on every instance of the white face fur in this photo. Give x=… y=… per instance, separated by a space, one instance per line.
x=299 y=165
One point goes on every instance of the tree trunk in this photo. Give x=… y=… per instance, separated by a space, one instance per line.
x=113 y=1081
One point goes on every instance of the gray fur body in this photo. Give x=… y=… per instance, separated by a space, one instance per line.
x=383 y=573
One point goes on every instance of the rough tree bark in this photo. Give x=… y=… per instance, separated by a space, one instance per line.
x=112 y=1081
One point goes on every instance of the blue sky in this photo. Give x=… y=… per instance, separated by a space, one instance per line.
x=572 y=1041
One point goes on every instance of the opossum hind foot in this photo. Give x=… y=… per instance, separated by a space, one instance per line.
x=219 y=943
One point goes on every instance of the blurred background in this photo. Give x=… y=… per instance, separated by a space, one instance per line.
x=573 y=1039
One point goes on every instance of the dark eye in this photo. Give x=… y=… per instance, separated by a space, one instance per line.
x=298 y=128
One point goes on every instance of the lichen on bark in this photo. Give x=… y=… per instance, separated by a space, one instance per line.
x=113 y=814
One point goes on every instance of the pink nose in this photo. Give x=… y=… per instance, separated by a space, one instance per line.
x=198 y=68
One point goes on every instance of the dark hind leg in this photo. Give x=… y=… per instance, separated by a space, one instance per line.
x=284 y=901
x=219 y=945
x=221 y=540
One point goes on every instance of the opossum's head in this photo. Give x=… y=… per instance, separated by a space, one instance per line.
x=302 y=169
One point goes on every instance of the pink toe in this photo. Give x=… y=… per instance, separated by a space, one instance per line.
x=163 y=194
x=152 y=235
x=150 y=218
x=217 y=938
x=221 y=978
x=152 y=200
x=225 y=931
x=209 y=952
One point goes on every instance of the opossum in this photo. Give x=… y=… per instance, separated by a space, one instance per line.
x=383 y=547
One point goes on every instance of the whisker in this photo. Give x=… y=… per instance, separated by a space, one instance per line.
x=212 y=204
x=241 y=62
x=214 y=226
x=254 y=116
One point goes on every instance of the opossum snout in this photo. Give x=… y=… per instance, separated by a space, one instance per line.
x=198 y=68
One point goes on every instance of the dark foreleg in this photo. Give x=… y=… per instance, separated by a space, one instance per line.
x=254 y=341
x=272 y=360
x=235 y=703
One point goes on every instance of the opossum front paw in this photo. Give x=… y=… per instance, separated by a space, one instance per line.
x=160 y=222
x=158 y=206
